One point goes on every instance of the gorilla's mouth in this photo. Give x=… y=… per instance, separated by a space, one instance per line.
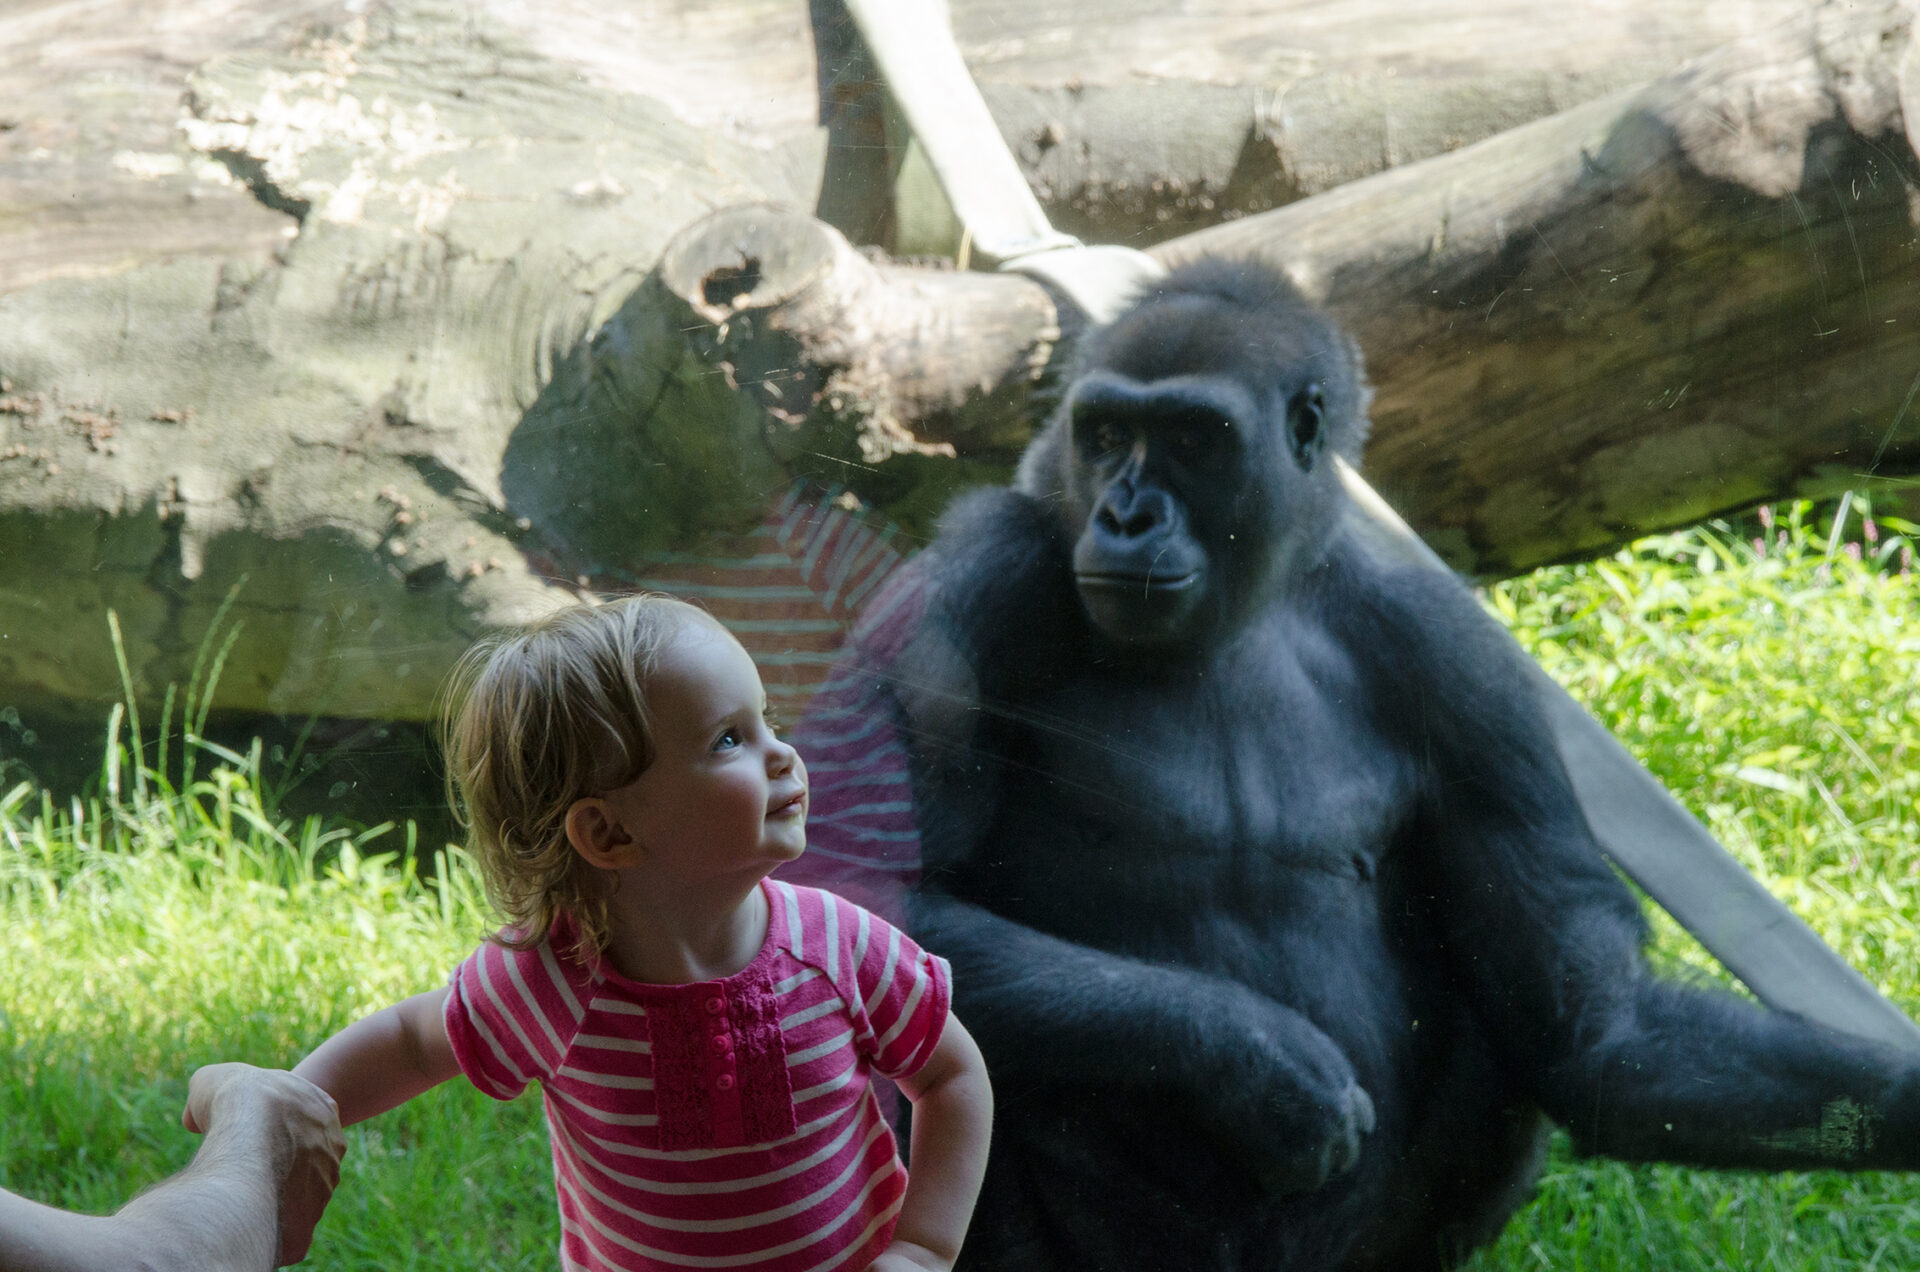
x=1139 y=582
x=1137 y=608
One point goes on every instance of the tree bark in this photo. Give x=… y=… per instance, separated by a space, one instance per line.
x=336 y=322
x=359 y=303
x=792 y=312
x=1142 y=121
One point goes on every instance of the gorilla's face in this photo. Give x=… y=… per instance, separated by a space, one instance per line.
x=1142 y=453
x=1197 y=494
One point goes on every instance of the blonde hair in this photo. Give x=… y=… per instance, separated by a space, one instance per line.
x=533 y=722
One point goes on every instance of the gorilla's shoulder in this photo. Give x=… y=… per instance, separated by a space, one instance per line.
x=992 y=506
x=1414 y=622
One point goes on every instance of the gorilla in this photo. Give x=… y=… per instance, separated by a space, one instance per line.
x=1264 y=887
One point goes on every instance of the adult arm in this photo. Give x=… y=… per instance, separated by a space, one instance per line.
x=381 y=1061
x=247 y=1201
x=952 y=1123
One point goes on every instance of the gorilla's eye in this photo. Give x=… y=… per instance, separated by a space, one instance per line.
x=1108 y=436
x=1186 y=443
x=1304 y=422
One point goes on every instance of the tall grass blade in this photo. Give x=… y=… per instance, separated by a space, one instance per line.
x=133 y=708
x=112 y=756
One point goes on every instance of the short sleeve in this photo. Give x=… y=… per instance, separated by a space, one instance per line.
x=510 y=1017
x=904 y=996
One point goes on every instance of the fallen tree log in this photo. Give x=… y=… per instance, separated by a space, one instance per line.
x=370 y=318
x=413 y=224
x=1143 y=121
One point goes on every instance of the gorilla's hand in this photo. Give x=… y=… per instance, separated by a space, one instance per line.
x=1280 y=1097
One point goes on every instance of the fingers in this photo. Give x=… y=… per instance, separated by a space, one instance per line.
x=203 y=1088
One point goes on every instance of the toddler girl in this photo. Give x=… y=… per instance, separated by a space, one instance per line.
x=704 y=1036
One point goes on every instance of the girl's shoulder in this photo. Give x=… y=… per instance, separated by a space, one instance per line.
x=826 y=931
x=552 y=968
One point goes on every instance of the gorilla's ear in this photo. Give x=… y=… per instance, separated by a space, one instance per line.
x=1041 y=472
x=1307 y=426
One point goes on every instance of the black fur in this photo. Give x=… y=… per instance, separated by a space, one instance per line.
x=1274 y=912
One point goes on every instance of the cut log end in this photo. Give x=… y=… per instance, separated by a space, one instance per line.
x=753 y=257
x=919 y=360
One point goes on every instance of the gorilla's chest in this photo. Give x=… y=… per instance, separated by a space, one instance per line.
x=1257 y=792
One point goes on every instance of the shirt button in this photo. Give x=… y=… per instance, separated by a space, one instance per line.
x=722 y=1042
x=716 y=1005
x=724 y=1082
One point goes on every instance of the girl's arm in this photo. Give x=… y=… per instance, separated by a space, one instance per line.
x=384 y=1060
x=952 y=1121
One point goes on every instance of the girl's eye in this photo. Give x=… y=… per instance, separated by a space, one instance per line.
x=727 y=740
x=775 y=725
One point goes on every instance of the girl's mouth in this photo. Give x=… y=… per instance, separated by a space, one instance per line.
x=791 y=807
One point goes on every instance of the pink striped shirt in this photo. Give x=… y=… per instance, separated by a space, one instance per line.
x=724 y=1124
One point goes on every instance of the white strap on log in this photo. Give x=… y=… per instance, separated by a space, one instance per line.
x=1656 y=841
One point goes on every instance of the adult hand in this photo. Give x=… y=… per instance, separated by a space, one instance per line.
x=905 y=1256
x=302 y=1124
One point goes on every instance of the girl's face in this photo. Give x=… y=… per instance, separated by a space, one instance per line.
x=724 y=799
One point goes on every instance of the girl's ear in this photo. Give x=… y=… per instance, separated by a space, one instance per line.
x=597 y=835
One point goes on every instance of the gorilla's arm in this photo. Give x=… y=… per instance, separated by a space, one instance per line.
x=1271 y=1088
x=1546 y=940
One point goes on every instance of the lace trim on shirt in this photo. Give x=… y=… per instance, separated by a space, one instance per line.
x=693 y=1111
x=766 y=1088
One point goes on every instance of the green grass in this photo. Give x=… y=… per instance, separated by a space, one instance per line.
x=1773 y=691
x=172 y=921
x=146 y=936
